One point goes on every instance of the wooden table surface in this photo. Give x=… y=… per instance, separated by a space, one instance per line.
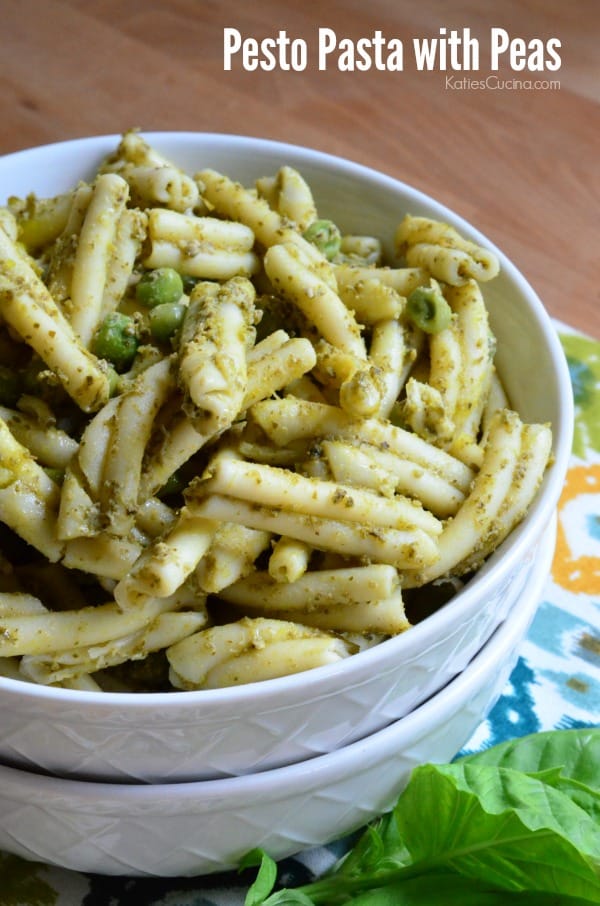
x=522 y=164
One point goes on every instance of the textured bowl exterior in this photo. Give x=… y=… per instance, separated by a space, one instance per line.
x=218 y=733
x=175 y=738
x=203 y=827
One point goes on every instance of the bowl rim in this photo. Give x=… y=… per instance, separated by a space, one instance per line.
x=499 y=563
x=328 y=767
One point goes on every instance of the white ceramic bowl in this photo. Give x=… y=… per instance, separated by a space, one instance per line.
x=207 y=826
x=207 y=734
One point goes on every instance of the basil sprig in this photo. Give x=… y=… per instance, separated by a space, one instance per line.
x=516 y=823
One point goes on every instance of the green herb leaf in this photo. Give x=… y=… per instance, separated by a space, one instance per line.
x=516 y=823
x=502 y=826
x=379 y=850
x=575 y=752
x=289 y=898
x=265 y=879
x=574 y=756
x=367 y=852
x=454 y=890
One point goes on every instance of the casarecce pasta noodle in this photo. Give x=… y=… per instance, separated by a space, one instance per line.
x=235 y=441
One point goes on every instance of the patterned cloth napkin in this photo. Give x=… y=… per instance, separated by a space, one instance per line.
x=555 y=683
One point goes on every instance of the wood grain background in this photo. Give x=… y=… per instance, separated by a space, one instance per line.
x=522 y=165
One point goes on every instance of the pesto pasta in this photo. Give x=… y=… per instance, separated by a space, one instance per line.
x=229 y=448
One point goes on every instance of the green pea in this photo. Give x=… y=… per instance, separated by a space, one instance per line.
x=159 y=286
x=165 y=320
x=326 y=236
x=10 y=386
x=427 y=309
x=116 y=340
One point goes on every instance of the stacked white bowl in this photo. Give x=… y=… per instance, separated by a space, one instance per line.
x=185 y=783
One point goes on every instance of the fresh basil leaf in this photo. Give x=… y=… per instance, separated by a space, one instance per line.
x=395 y=848
x=575 y=752
x=514 y=824
x=366 y=853
x=454 y=890
x=265 y=879
x=501 y=826
x=584 y=796
x=289 y=898
x=252 y=859
x=378 y=849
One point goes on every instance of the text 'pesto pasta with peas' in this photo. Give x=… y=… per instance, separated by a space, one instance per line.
x=237 y=442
